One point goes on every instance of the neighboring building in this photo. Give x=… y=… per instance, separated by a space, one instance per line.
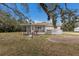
x=77 y=23
x=76 y=29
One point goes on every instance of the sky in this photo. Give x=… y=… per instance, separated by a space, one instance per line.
x=36 y=13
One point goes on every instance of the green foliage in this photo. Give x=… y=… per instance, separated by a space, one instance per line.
x=69 y=19
x=9 y=23
x=69 y=26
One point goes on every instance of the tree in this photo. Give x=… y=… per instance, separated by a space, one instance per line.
x=68 y=18
x=16 y=11
x=51 y=13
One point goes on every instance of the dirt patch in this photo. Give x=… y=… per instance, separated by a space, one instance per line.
x=65 y=39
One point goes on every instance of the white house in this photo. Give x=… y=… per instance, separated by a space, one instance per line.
x=41 y=28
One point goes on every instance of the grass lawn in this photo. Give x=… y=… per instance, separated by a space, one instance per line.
x=17 y=44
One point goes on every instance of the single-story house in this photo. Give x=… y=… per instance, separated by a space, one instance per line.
x=41 y=28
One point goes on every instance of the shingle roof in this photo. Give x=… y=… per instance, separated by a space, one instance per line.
x=40 y=24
